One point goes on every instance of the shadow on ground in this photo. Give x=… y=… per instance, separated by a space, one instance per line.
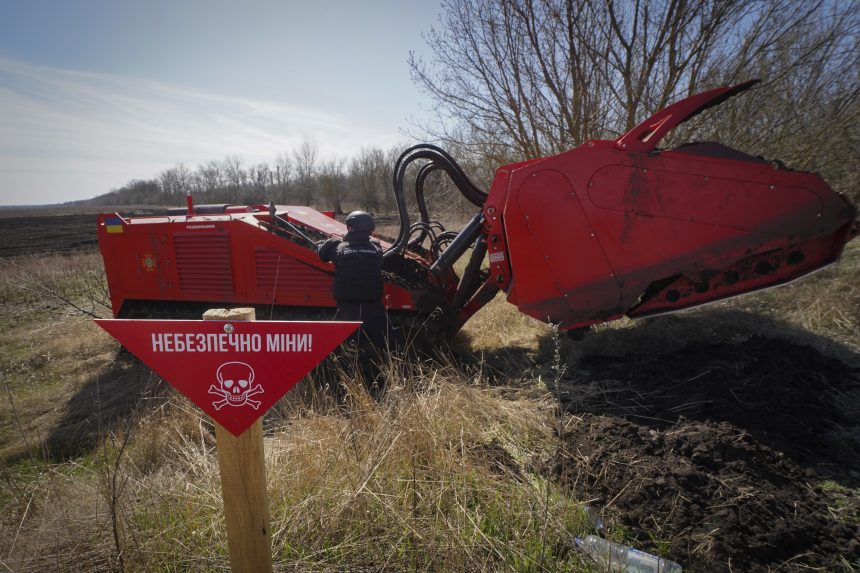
x=105 y=404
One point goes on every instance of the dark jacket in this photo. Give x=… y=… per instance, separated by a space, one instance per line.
x=358 y=267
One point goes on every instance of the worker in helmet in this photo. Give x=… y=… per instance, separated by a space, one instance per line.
x=357 y=284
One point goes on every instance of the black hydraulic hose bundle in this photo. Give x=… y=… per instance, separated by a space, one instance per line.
x=439 y=159
x=439 y=237
x=425 y=170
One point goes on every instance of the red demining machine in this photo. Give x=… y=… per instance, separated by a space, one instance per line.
x=608 y=229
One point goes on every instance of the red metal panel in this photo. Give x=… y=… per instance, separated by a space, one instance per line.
x=677 y=228
x=282 y=279
x=700 y=194
x=203 y=264
x=223 y=257
x=562 y=272
x=644 y=137
x=137 y=263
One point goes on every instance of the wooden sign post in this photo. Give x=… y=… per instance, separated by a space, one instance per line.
x=242 y=464
x=234 y=369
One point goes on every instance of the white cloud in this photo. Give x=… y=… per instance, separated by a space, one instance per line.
x=67 y=135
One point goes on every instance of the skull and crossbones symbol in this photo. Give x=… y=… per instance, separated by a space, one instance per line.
x=235 y=386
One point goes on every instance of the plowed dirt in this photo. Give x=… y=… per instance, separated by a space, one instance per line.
x=736 y=456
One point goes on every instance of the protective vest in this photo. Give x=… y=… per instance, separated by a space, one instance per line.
x=358 y=271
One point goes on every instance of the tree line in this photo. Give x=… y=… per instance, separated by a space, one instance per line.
x=363 y=181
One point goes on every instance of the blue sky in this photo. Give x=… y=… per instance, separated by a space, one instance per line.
x=94 y=93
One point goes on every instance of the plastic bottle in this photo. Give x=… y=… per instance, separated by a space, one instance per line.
x=622 y=558
x=592 y=516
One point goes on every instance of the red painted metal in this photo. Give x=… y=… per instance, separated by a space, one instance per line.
x=644 y=137
x=617 y=227
x=231 y=256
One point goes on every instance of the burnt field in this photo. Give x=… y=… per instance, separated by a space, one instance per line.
x=34 y=235
x=58 y=229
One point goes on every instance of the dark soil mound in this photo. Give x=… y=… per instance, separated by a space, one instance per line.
x=741 y=456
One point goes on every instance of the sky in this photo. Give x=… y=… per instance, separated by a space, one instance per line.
x=96 y=93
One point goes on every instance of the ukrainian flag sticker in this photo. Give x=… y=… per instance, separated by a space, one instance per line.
x=113 y=225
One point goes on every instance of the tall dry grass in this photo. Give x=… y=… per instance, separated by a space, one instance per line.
x=442 y=471
x=52 y=286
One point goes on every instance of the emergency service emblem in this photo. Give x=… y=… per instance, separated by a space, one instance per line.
x=147 y=263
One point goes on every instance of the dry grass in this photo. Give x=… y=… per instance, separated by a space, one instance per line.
x=437 y=477
x=49 y=287
x=501 y=325
x=432 y=476
x=827 y=303
x=44 y=366
x=53 y=520
x=443 y=472
x=49 y=348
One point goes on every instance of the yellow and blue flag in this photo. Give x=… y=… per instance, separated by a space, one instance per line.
x=113 y=225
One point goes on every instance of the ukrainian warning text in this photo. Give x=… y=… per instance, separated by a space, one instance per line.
x=233 y=342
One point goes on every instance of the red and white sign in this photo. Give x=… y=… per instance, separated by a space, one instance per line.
x=233 y=370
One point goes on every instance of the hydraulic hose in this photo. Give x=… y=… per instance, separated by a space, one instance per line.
x=425 y=170
x=441 y=160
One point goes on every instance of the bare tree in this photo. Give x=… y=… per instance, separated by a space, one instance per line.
x=235 y=176
x=807 y=110
x=332 y=183
x=168 y=185
x=511 y=74
x=282 y=174
x=306 y=166
x=365 y=178
x=370 y=175
x=384 y=167
x=135 y=192
x=260 y=177
x=211 y=176
x=176 y=181
x=535 y=77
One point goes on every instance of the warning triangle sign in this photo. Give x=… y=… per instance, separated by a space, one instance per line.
x=233 y=370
